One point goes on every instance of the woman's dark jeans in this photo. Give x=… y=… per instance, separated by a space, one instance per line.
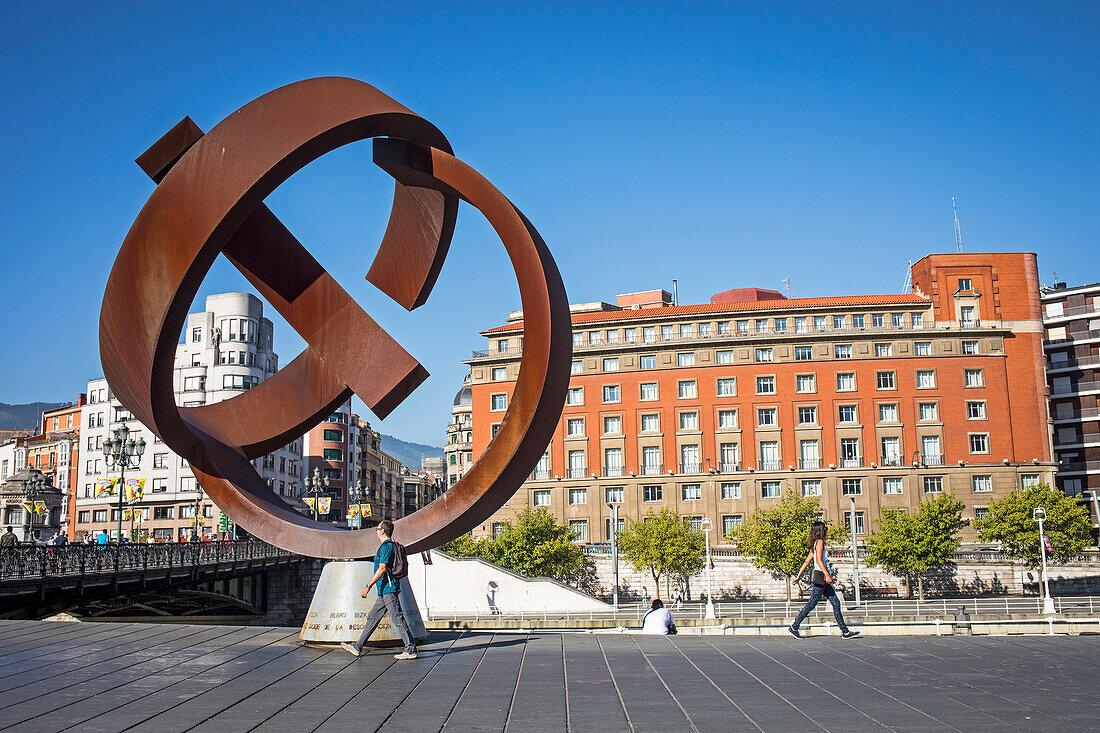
x=815 y=597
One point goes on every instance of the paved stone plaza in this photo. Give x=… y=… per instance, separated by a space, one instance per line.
x=162 y=678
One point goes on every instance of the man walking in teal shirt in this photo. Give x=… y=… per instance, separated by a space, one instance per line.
x=388 y=588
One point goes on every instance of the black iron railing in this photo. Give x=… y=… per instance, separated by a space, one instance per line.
x=38 y=561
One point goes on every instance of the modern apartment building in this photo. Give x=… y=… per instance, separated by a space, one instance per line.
x=225 y=350
x=1071 y=316
x=458 y=450
x=713 y=408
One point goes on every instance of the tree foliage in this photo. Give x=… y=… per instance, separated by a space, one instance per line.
x=911 y=545
x=535 y=546
x=1011 y=522
x=662 y=544
x=776 y=538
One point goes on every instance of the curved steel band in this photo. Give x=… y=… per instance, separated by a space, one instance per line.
x=210 y=202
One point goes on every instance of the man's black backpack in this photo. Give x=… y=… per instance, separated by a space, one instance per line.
x=398 y=566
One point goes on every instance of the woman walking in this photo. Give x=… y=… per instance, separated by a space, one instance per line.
x=822 y=580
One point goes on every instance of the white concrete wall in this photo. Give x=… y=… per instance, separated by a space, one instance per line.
x=453 y=584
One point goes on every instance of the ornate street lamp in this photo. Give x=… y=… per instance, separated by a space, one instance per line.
x=33 y=487
x=122 y=452
x=315 y=488
x=355 y=493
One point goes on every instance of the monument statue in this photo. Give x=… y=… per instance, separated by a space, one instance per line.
x=209 y=201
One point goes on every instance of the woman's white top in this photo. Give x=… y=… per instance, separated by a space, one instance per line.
x=657 y=622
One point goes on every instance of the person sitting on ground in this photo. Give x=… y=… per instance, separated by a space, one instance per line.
x=658 y=620
x=388 y=588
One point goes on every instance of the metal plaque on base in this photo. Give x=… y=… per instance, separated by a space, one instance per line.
x=338 y=613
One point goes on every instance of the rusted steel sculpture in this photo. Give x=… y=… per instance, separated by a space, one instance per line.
x=209 y=201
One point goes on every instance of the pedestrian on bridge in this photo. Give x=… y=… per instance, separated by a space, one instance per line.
x=822 y=580
x=386 y=561
x=8 y=539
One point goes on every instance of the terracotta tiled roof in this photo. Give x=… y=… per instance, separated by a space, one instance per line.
x=785 y=304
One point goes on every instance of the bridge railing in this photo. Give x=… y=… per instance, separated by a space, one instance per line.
x=37 y=561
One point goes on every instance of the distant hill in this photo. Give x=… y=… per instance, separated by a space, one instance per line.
x=25 y=417
x=408 y=453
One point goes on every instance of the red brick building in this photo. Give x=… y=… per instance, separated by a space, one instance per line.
x=712 y=408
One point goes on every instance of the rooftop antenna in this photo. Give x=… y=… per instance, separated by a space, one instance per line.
x=675 y=294
x=787 y=280
x=958 y=233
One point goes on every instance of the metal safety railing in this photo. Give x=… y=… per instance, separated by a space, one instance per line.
x=37 y=561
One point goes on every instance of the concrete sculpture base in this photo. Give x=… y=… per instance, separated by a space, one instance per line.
x=338 y=613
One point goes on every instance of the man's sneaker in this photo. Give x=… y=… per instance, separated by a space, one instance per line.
x=794 y=632
x=350 y=649
x=849 y=634
x=405 y=655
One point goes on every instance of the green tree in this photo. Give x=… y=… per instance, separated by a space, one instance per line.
x=911 y=545
x=776 y=538
x=662 y=544
x=535 y=546
x=1011 y=522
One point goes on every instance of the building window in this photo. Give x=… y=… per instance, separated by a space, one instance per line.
x=780 y=325
x=928 y=411
x=807 y=415
x=1029 y=480
x=765 y=385
x=647 y=391
x=979 y=442
x=163 y=512
x=333 y=436
x=494 y=429
x=187 y=484
x=612 y=393
x=611 y=364
x=843 y=351
x=884 y=350
x=649 y=334
x=84 y=517
x=239 y=381
x=731 y=490
x=975 y=410
x=859 y=522
x=800 y=325
x=612 y=425
x=974 y=378
x=803 y=353
x=730 y=523
x=541 y=498
x=576 y=367
x=811 y=487
x=575 y=396
x=613 y=494
x=577 y=464
x=769 y=455
x=691 y=492
x=970 y=347
x=727 y=387
x=612 y=461
x=649 y=361
x=933 y=484
x=579 y=529
x=885 y=380
x=668 y=333
x=577 y=496
x=727 y=418
x=723 y=356
x=820 y=323
x=851 y=486
x=574 y=426
x=724 y=328
x=761 y=325
x=727 y=457
x=651 y=423
x=651 y=493
x=981 y=512
x=847 y=413
x=687 y=390
x=766 y=417
x=891 y=485
x=849 y=453
x=922 y=348
x=763 y=355
x=876 y=320
x=983 y=484
x=689 y=459
x=891 y=451
x=845 y=382
x=689 y=421
x=888 y=412
x=630 y=335
x=196 y=334
x=160 y=460
x=964 y=284
x=806 y=383
x=498 y=402
x=858 y=320
x=499 y=373
x=685 y=359
x=704 y=330
x=770 y=489
x=613 y=337
x=926 y=379
x=159 y=486
x=194 y=384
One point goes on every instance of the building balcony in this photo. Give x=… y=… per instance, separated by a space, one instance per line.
x=856 y=462
x=653 y=469
x=771 y=465
x=809 y=463
x=614 y=471
x=1078 y=388
x=1071 y=337
x=577 y=472
x=730 y=467
x=691 y=467
x=890 y=461
x=1079 y=467
x=1073 y=363
x=541 y=474
x=1082 y=414
x=933 y=459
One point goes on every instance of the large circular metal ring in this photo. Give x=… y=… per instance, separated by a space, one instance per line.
x=209 y=201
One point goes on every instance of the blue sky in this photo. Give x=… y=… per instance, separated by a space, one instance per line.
x=721 y=146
